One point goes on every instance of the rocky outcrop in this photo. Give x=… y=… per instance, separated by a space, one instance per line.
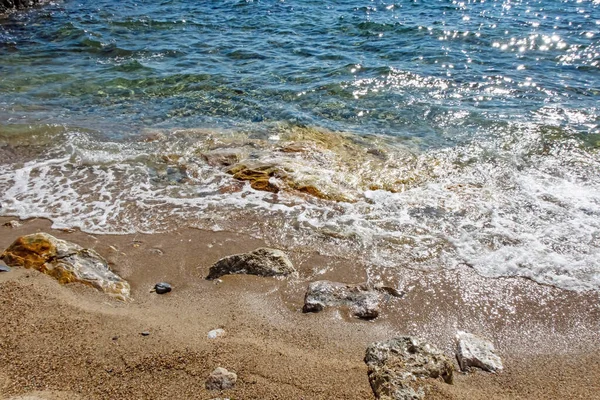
x=221 y=379
x=363 y=300
x=399 y=368
x=262 y=262
x=6 y=5
x=65 y=261
x=473 y=351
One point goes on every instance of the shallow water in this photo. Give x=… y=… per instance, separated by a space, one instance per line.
x=410 y=134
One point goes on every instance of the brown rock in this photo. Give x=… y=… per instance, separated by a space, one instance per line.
x=262 y=262
x=399 y=368
x=259 y=176
x=65 y=261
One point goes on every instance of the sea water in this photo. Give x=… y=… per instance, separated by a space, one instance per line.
x=420 y=134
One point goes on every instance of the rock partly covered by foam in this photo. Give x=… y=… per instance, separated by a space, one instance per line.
x=362 y=300
x=65 y=261
x=473 y=351
x=262 y=262
x=221 y=379
x=399 y=368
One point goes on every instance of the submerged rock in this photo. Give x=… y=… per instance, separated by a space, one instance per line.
x=473 y=351
x=258 y=175
x=262 y=262
x=398 y=368
x=65 y=261
x=221 y=379
x=362 y=300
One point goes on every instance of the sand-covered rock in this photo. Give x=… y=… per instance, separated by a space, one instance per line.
x=221 y=379
x=65 y=261
x=362 y=300
x=399 y=368
x=474 y=351
x=262 y=262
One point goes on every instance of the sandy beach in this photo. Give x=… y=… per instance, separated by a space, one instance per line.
x=73 y=342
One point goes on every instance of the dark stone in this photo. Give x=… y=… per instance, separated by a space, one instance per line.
x=262 y=262
x=162 y=288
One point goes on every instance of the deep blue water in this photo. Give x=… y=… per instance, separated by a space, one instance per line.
x=395 y=68
x=439 y=133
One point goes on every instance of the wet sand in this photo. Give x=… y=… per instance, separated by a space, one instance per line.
x=72 y=342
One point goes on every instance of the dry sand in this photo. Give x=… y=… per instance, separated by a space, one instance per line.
x=72 y=342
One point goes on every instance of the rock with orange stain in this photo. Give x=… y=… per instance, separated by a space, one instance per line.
x=66 y=262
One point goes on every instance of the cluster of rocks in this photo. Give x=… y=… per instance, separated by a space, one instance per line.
x=6 y=5
x=398 y=369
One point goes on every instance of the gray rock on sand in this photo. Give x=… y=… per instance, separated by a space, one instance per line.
x=65 y=261
x=262 y=262
x=363 y=300
x=474 y=351
x=398 y=368
x=221 y=379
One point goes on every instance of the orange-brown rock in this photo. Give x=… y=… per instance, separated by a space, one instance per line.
x=65 y=261
x=259 y=176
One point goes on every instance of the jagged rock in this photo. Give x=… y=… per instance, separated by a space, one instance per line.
x=221 y=379
x=473 y=351
x=262 y=261
x=398 y=368
x=65 y=261
x=362 y=300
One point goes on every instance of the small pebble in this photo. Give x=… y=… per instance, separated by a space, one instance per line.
x=215 y=333
x=162 y=288
x=115 y=338
x=4 y=268
x=145 y=333
x=13 y=224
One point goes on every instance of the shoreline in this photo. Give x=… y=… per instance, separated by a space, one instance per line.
x=60 y=340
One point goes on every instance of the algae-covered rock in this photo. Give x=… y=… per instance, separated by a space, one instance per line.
x=262 y=262
x=259 y=176
x=399 y=368
x=65 y=261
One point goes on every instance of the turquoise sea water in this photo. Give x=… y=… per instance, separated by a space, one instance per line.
x=447 y=132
